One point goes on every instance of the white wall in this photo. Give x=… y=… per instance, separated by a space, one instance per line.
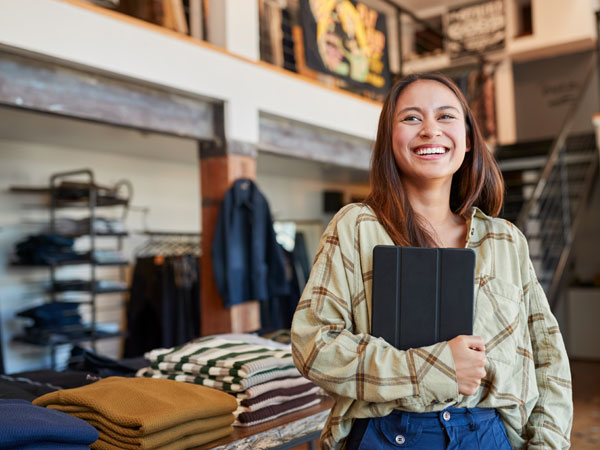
x=557 y=26
x=294 y=189
x=233 y=24
x=165 y=177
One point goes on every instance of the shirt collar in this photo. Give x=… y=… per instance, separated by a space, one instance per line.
x=472 y=217
x=243 y=191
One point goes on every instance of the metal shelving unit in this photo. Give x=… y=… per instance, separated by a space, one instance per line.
x=89 y=196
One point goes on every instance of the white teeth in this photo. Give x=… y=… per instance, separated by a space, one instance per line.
x=431 y=151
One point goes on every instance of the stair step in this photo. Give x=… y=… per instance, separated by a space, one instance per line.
x=542 y=147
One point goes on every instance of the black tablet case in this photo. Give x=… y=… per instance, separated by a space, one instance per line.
x=422 y=295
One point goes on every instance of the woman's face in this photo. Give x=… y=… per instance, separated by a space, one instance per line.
x=429 y=137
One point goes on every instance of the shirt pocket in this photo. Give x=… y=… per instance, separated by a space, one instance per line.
x=499 y=316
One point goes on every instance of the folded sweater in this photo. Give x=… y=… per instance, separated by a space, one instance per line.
x=227 y=384
x=275 y=400
x=269 y=413
x=279 y=392
x=23 y=424
x=142 y=405
x=268 y=386
x=190 y=441
x=110 y=432
x=237 y=358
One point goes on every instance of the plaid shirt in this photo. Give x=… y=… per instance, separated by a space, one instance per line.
x=528 y=378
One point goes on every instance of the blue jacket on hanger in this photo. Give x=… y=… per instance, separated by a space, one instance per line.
x=247 y=260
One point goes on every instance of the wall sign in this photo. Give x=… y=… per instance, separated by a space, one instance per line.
x=347 y=39
x=480 y=27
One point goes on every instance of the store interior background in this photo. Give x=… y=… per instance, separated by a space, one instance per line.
x=164 y=169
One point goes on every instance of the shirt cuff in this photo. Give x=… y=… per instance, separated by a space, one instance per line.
x=439 y=385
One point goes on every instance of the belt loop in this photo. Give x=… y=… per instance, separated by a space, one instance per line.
x=473 y=426
x=404 y=422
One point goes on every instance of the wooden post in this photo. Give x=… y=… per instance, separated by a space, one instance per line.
x=221 y=163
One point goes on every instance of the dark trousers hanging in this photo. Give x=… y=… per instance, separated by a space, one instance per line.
x=164 y=304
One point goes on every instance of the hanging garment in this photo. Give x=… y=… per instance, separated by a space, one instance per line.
x=247 y=260
x=278 y=311
x=164 y=304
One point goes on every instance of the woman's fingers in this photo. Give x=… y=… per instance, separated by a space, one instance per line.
x=469 y=361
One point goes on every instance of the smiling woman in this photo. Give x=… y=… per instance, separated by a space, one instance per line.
x=429 y=137
x=434 y=183
x=424 y=114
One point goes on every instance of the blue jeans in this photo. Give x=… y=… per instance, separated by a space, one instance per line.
x=450 y=429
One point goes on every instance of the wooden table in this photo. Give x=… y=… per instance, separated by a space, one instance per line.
x=283 y=433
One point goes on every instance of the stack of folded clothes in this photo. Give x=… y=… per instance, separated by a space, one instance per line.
x=138 y=413
x=52 y=249
x=263 y=378
x=52 y=322
x=76 y=227
x=46 y=249
x=26 y=426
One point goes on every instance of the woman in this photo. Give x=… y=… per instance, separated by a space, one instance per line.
x=434 y=184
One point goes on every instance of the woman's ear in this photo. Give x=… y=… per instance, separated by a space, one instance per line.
x=468 y=142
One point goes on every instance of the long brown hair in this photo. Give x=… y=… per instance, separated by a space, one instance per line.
x=478 y=181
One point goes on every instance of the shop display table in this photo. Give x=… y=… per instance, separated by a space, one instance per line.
x=283 y=433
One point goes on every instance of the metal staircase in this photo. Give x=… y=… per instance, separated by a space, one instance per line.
x=548 y=187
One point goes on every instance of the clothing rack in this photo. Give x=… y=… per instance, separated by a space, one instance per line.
x=170 y=243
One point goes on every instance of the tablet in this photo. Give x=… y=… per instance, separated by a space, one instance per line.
x=422 y=296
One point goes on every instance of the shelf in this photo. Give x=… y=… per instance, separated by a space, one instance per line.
x=88 y=289
x=60 y=339
x=79 y=235
x=57 y=251
x=76 y=262
x=82 y=202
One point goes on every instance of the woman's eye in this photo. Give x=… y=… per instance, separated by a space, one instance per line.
x=410 y=119
x=447 y=117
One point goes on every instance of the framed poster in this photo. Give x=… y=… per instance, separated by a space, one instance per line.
x=347 y=39
x=480 y=27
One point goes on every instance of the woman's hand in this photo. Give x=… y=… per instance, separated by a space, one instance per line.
x=469 y=359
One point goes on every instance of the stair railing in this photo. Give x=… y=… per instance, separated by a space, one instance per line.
x=552 y=201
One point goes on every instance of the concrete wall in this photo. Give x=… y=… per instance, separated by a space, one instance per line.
x=545 y=91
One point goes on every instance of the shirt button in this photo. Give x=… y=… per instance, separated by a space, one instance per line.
x=446 y=416
x=472 y=231
x=400 y=439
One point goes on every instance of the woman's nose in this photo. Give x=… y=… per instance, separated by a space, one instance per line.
x=430 y=128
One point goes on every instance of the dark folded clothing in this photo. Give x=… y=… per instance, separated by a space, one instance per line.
x=46 y=249
x=24 y=424
x=86 y=360
x=61 y=334
x=53 y=379
x=48 y=446
x=75 y=190
x=46 y=240
x=21 y=388
x=53 y=314
x=58 y=325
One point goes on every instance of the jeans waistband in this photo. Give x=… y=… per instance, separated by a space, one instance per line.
x=476 y=414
